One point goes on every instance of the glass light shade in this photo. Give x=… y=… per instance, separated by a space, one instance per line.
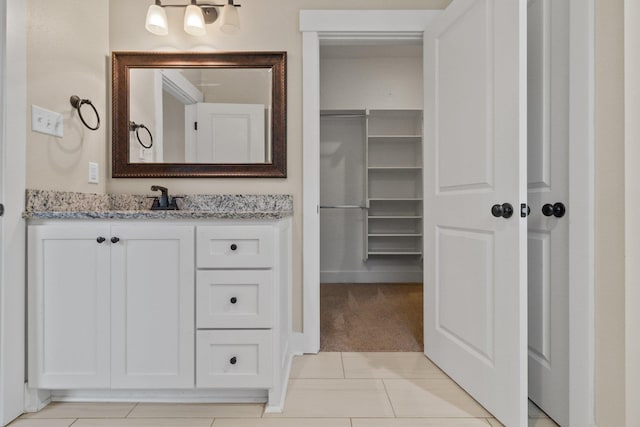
x=194 y=21
x=157 y=21
x=230 y=20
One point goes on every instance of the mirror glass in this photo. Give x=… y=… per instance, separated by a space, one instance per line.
x=199 y=114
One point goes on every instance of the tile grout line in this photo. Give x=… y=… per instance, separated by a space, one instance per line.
x=134 y=407
x=388 y=397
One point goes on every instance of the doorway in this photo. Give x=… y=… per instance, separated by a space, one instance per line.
x=369 y=23
x=371 y=195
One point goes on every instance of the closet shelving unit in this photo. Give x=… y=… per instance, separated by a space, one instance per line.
x=393 y=153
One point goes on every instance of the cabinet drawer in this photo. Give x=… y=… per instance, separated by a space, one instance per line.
x=233 y=299
x=233 y=359
x=235 y=247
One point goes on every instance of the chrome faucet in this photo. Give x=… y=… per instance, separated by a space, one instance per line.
x=163 y=202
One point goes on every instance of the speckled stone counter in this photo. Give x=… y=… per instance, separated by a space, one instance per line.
x=41 y=204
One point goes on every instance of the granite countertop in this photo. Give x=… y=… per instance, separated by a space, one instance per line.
x=41 y=204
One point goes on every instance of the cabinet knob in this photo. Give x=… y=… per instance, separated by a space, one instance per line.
x=115 y=239
x=233 y=300
x=233 y=360
x=100 y=239
x=234 y=247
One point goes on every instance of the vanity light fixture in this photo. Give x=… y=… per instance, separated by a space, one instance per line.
x=196 y=15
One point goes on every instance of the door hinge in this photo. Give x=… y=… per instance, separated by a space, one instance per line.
x=195 y=125
x=525 y=210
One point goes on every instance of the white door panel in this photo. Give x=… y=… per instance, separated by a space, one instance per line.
x=548 y=183
x=475 y=263
x=227 y=133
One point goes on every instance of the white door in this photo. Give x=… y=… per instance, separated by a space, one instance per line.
x=548 y=177
x=475 y=158
x=152 y=294
x=226 y=133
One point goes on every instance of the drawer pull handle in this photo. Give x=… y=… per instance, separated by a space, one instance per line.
x=233 y=300
x=100 y=239
x=234 y=247
x=233 y=360
x=115 y=239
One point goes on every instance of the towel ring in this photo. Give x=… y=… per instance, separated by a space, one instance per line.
x=135 y=127
x=77 y=103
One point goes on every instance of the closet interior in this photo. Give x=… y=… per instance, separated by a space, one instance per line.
x=371 y=96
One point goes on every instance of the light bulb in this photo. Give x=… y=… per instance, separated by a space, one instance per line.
x=156 y=22
x=229 y=20
x=194 y=21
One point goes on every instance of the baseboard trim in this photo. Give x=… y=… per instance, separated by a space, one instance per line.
x=161 y=396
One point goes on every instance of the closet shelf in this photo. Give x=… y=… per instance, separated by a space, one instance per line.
x=395 y=216
x=395 y=235
x=394 y=199
x=416 y=137
x=394 y=168
x=388 y=252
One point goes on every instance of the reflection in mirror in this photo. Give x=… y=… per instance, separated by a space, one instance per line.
x=200 y=115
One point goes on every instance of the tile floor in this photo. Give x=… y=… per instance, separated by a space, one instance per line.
x=325 y=390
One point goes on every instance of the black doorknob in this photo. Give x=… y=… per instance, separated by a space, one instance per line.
x=100 y=239
x=115 y=239
x=557 y=209
x=233 y=360
x=504 y=210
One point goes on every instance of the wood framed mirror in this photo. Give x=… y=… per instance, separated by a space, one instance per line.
x=199 y=115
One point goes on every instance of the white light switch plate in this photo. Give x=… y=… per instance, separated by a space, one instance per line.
x=46 y=121
x=93 y=173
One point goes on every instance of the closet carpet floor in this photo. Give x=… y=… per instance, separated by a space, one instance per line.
x=371 y=317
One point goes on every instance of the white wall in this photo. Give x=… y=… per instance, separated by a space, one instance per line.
x=12 y=158
x=382 y=82
x=67 y=46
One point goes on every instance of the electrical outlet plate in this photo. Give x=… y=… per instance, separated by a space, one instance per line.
x=93 y=173
x=46 y=121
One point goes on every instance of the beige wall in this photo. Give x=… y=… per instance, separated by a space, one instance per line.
x=609 y=215
x=266 y=25
x=67 y=42
x=632 y=208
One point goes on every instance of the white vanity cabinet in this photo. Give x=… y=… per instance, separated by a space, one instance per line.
x=110 y=306
x=171 y=310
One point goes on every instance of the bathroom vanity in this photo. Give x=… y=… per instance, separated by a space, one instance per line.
x=132 y=304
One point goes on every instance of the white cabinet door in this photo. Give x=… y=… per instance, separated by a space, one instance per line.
x=68 y=306
x=475 y=157
x=152 y=326
x=548 y=170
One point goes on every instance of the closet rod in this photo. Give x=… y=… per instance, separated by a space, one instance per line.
x=343 y=207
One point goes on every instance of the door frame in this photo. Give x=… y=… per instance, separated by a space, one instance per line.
x=13 y=237
x=317 y=25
